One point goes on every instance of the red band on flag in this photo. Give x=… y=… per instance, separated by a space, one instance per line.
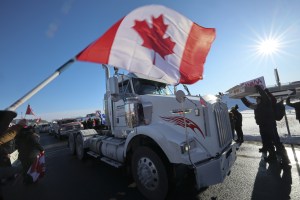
x=99 y=50
x=197 y=47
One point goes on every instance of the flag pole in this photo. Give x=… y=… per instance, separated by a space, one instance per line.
x=27 y=96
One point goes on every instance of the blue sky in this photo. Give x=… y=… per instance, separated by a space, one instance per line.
x=37 y=37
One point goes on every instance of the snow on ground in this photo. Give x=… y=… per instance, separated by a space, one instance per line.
x=251 y=130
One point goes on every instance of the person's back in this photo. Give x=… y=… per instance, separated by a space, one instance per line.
x=238 y=118
x=265 y=119
x=264 y=114
x=232 y=122
x=28 y=146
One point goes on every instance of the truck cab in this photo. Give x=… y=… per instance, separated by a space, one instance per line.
x=161 y=138
x=67 y=126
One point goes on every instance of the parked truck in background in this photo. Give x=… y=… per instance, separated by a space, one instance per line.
x=64 y=127
x=159 y=137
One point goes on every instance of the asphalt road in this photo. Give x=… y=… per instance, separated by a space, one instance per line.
x=68 y=178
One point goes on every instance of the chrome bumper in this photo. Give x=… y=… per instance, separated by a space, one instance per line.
x=215 y=171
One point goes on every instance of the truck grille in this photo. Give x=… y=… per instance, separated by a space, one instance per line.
x=223 y=124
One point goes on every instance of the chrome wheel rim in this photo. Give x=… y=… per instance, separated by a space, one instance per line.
x=147 y=173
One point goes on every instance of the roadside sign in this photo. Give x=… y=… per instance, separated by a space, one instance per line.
x=246 y=88
x=258 y=81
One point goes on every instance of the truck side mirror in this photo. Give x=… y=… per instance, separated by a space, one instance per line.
x=180 y=96
x=113 y=86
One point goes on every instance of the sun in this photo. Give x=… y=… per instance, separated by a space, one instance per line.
x=268 y=46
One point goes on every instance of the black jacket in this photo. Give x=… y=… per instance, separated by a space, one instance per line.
x=294 y=105
x=238 y=117
x=263 y=111
x=28 y=145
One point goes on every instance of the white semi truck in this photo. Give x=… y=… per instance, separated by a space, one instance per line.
x=161 y=138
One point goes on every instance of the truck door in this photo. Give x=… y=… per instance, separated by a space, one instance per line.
x=125 y=90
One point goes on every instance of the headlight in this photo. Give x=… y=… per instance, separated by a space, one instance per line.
x=63 y=128
x=186 y=146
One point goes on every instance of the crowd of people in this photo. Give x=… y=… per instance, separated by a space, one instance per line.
x=265 y=113
x=92 y=123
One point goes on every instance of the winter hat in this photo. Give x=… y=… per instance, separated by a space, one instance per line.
x=6 y=116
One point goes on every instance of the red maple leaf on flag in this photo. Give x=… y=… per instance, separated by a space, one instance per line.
x=154 y=37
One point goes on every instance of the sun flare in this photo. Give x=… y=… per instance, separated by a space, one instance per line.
x=268 y=46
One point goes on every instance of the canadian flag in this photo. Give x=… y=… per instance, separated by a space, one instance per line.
x=38 y=120
x=29 y=111
x=154 y=41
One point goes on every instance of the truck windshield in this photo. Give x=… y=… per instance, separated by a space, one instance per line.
x=142 y=86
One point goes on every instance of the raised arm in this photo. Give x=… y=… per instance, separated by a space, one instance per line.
x=263 y=94
x=271 y=96
x=248 y=103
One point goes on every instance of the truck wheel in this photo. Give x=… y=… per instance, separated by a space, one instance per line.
x=149 y=173
x=80 y=151
x=71 y=144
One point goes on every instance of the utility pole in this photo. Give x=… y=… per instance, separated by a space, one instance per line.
x=277 y=78
x=285 y=117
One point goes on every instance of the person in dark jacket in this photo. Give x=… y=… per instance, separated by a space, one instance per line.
x=27 y=143
x=238 y=122
x=296 y=106
x=265 y=119
x=273 y=101
x=7 y=144
x=7 y=135
x=280 y=149
x=232 y=122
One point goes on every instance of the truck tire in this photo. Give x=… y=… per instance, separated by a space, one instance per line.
x=80 y=151
x=149 y=173
x=71 y=144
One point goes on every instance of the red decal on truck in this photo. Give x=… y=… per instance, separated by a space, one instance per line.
x=180 y=122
